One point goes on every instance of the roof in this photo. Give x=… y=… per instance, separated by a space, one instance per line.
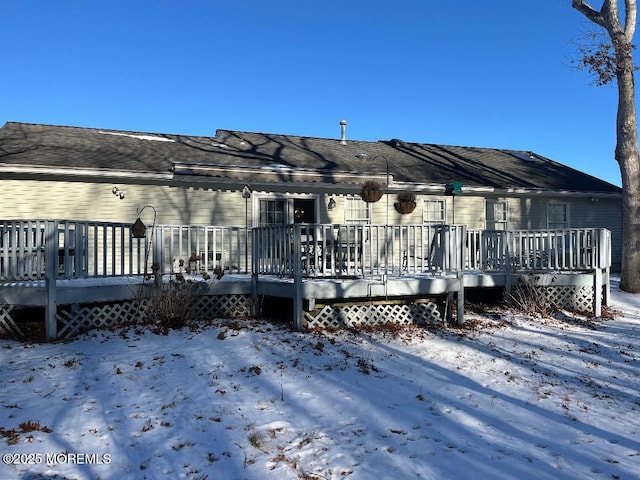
x=49 y=146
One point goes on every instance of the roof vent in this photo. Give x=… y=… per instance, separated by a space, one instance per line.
x=526 y=156
x=343 y=132
x=396 y=142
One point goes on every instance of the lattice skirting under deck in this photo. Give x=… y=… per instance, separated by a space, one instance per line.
x=340 y=316
x=74 y=319
x=569 y=297
x=8 y=326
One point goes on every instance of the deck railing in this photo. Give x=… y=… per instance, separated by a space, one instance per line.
x=193 y=249
x=98 y=249
x=103 y=249
x=539 y=250
x=77 y=249
x=325 y=250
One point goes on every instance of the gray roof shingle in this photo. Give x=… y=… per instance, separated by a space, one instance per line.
x=91 y=148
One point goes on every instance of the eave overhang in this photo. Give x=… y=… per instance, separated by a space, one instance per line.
x=81 y=174
x=273 y=178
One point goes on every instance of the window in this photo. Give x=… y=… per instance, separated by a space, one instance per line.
x=356 y=211
x=497 y=215
x=433 y=212
x=557 y=215
x=272 y=212
x=282 y=210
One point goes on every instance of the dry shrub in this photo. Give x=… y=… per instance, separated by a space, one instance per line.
x=172 y=305
x=530 y=298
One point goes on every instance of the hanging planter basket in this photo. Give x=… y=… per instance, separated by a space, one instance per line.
x=371 y=192
x=406 y=203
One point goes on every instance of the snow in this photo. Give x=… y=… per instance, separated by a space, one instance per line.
x=153 y=138
x=508 y=397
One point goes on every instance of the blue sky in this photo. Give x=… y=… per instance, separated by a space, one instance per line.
x=487 y=74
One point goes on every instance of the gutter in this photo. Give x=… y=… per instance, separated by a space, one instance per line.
x=82 y=173
x=280 y=172
x=438 y=188
x=286 y=180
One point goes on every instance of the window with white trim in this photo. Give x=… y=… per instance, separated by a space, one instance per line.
x=557 y=215
x=434 y=212
x=272 y=212
x=275 y=209
x=497 y=215
x=356 y=211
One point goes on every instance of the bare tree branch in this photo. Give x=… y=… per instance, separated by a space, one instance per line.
x=589 y=12
x=612 y=20
x=608 y=16
x=630 y=22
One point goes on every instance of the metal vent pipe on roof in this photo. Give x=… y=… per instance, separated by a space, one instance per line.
x=343 y=132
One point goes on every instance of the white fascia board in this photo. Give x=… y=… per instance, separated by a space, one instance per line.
x=84 y=173
x=439 y=188
x=215 y=183
x=543 y=192
x=234 y=172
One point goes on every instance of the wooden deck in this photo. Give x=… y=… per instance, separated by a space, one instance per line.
x=313 y=265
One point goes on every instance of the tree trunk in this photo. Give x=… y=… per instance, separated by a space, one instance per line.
x=626 y=154
x=630 y=275
x=627 y=157
x=629 y=161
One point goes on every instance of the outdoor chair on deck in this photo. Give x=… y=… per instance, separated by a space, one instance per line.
x=424 y=257
x=348 y=248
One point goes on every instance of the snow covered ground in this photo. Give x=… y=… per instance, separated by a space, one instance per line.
x=509 y=397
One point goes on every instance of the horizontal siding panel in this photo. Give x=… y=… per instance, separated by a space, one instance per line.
x=23 y=199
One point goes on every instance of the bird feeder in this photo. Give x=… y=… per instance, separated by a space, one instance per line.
x=138 y=229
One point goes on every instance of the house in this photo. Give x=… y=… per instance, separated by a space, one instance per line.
x=254 y=179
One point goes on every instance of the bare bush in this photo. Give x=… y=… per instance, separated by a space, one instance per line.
x=530 y=298
x=172 y=305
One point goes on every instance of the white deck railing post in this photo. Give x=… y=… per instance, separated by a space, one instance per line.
x=461 y=240
x=296 y=269
x=255 y=268
x=51 y=273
